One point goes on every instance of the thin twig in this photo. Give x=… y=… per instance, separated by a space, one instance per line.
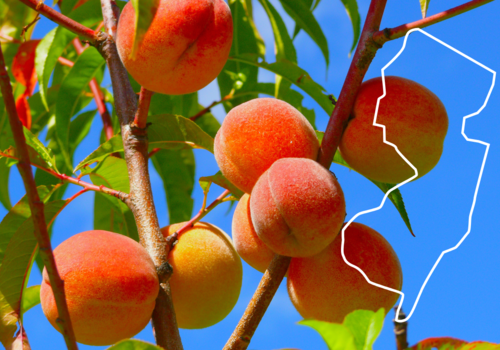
x=135 y=147
x=240 y=339
x=62 y=20
x=37 y=210
x=213 y=104
x=141 y=117
x=98 y=97
x=401 y=331
x=365 y=52
x=387 y=34
x=153 y=152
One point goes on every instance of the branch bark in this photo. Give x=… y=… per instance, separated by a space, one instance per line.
x=382 y=36
x=365 y=52
x=141 y=117
x=59 y=18
x=37 y=210
x=401 y=331
x=135 y=143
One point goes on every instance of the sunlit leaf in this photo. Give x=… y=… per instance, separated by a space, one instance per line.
x=4 y=184
x=145 y=11
x=424 y=5
x=31 y=298
x=336 y=336
x=365 y=326
x=132 y=344
x=110 y=214
x=351 y=7
x=176 y=169
x=219 y=179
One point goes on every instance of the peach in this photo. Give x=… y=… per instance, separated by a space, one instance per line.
x=415 y=119
x=325 y=288
x=246 y=241
x=184 y=49
x=207 y=275
x=297 y=207
x=257 y=133
x=111 y=286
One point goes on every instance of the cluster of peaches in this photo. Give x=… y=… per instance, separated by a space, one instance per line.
x=292 y=205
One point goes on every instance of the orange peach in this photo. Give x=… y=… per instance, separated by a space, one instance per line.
x=257 y=133
x=111 y=286
x=325 y=288
x=207 y=275
x=416 y=122
x=297 y=207
x=246 y=241
x=184 y=49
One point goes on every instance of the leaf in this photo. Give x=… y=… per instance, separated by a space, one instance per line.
x=72 y=88
x=177 y=169
x=132 y=344
x=113 y=145
x=365 y=326
x=13 y=157
x=351 y=7
x=395 y=197
x=219 y=179
x=40 y=149
x=304 y=17
x=145 y=11
x=31 y=298
x=17 y=248
x=295 y=75
x=4 y=184
x=80 y=128
x=112 y=173
x=336 y=336
x=208 y=123
x=424 y=5
x=47 y=53
x=110 y=214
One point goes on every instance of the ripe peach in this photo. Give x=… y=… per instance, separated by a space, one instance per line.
x=415 y=119
x=111 y=286
x=246 y=241
x=325 y=288
x=257 y=133
x=184 y=49
x=207 y=275
x=297 y=207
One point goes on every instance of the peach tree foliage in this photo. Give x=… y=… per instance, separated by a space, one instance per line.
x=69 y=78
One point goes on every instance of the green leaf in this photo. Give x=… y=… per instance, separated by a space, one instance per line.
x=395 y=197
x=112 y=173
x=208 y=123
x=177 y=169
x=365 y=326
x=48 y=52
x=304 y=17
x=113 y=145
x=4 y=184
x=132 y=344
x=296 y=75
x=219 y=179
x=145 y=11
x=110 y=214
x=89 y=14
x=336 y=336
x=80 y=128
x=351 y=7
x=45 y=154
x=424 y=5
x=17 y=246
x=31 y=298
x=72 y=88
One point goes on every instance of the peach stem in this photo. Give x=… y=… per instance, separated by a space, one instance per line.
x=141 y=117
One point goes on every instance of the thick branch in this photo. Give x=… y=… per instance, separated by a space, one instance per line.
x=401 y=331
x=387 y=34
x=37 y=209
x=141 y=117
x=135 y=144
x=62 y=20
x=240 y=339
x=365 y=52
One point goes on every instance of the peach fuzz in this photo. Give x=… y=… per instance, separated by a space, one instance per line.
x=111 y=286
x=246 y=241
x=184 y=49
x=416 y=121
x=325 y=288
x=207 y=275
x=297 y=207
x=257 y=133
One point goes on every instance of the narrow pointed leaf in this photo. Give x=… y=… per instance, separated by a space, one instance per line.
x=365 y=325
x=110 y=214
x=132 y=344
x=219 y=179
x=351 y=7
x=336 y=336
x=424 y=5
x=31 y=298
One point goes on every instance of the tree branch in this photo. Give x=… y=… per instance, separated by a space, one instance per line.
x=37 y=209
x=240 y=339
x=365 y=52
x=382 y=36
x=62 y=20
x=141 y=117
x=135 y=145
x=401 y=331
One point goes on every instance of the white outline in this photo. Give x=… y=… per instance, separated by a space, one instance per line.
x=416 y=175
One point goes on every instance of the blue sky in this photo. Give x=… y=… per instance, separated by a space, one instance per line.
x=461 y=298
